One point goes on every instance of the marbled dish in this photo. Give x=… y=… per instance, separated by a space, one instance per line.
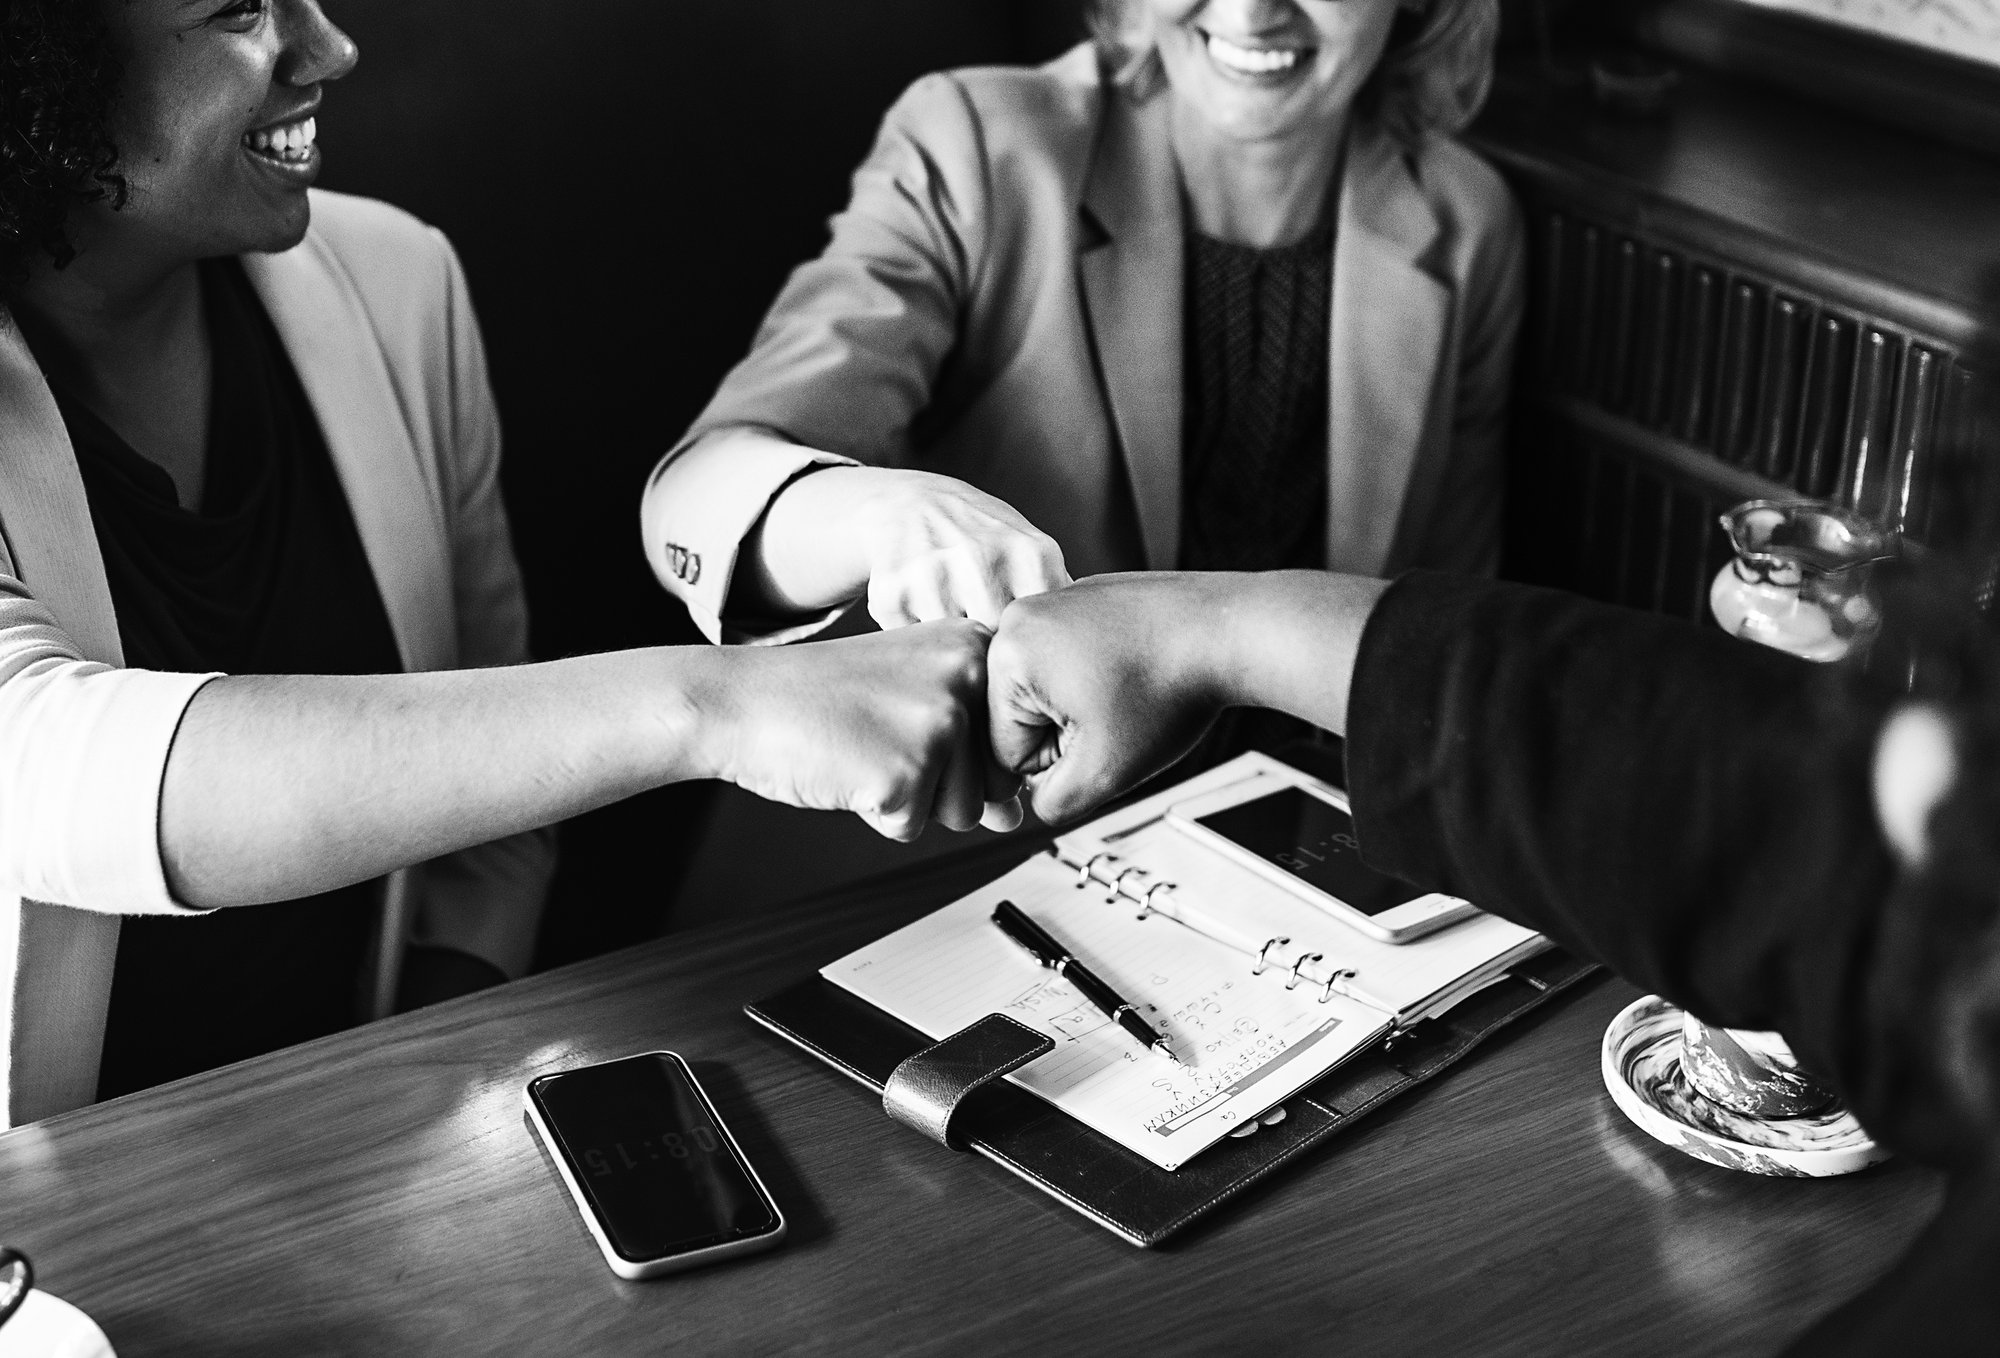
x=1642 y=1069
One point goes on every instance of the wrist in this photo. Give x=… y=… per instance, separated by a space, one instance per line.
x=693 y=713
x=1288 y=640
x=812 y=543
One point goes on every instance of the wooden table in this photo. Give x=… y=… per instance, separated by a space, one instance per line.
x=378 y=1192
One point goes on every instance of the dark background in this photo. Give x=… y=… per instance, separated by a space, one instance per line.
x=628 y=182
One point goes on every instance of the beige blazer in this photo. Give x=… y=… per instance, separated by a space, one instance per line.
x=1001 y=302
x=373 y=310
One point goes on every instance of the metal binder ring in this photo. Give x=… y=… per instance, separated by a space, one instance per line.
x=1084 y=877
x=1146 y=906
x=1304 y=958
x=1264 y=954
x=1334 y=978
x=1118 y=882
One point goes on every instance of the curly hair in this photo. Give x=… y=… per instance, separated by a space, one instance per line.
x=1433 y=76
x=58 y=74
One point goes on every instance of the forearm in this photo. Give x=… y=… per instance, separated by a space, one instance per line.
x=285 y=786
x=1285 y=640
x=803 y=556
x=1659 y=797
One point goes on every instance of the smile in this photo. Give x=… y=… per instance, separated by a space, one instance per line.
x=288 y=144
x=1256 y=62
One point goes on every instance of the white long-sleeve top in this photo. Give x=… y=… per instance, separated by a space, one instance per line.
x=373 y=311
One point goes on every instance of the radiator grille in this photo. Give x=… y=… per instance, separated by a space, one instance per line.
x=1660 y=387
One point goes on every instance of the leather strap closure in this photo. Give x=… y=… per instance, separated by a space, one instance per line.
x=925 y=1091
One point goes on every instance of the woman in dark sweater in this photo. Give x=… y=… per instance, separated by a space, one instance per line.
x=1770 y=844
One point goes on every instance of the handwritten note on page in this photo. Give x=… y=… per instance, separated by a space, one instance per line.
x=1246 y=1042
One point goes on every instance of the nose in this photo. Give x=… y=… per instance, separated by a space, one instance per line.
x=315 y=50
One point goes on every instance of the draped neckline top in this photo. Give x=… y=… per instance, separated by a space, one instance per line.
x=266 y=576
x=1255 y=403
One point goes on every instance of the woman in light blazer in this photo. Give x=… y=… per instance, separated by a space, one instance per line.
x=246 y=427
x=1215 y=291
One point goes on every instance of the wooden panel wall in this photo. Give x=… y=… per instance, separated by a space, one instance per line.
x=1676 y=363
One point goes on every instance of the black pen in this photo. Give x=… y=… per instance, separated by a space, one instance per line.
x=1014 y=923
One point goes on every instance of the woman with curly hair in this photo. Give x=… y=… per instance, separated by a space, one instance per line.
x=1217 y=290
x=261 y=627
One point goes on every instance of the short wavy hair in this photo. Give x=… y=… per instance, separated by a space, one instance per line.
x=58 y=76
x=1433 y=76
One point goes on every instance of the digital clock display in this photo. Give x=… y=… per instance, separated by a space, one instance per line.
x=641 y=1141
x=1314 y=841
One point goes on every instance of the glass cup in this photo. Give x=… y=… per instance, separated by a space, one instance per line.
x=1798 y=580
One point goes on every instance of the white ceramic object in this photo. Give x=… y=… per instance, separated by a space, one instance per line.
x=1753 y=1073
x=49 y=1327
x=1642 y=1069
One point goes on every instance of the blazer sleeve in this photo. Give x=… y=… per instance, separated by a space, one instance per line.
x=83 y=751
x=486 y=900
x=846 y=358
x=1464 y=531
x=1691 y=810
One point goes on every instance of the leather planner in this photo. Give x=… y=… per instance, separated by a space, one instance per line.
x=1087 y=1171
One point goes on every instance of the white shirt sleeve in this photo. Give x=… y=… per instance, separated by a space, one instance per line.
x=83 y=751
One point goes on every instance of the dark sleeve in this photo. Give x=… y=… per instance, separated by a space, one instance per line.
x=1658 y=797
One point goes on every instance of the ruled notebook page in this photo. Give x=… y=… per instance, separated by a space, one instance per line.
x=1404 y=976
x=1247 y=1042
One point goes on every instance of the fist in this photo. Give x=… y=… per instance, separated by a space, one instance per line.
x=890 y=726
x=938 y=548
x=1097 y=687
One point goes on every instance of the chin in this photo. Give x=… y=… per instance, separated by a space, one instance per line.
x=284 y=230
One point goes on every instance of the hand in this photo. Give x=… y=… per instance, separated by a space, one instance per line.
x=889 y=726
x=1097 y=687
x=923 y=546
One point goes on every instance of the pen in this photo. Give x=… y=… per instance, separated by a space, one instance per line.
x=1040 y=944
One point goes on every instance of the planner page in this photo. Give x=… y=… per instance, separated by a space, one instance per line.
x=1246 y=1043
x=1407 y=979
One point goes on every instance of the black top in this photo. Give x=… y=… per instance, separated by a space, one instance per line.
x=1253 y=492
x=267 y=577
x=1697 y=814
x=1253 y=467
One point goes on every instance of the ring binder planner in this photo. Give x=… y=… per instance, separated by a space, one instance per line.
x=1212 y=958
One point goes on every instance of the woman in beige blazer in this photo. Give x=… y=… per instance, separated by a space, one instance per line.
x=1218 y=290
x=158 y=245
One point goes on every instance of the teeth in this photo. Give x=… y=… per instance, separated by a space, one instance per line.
x=287 y=141
x=1252 y=60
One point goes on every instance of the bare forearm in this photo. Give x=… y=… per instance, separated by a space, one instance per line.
x=802 y=557
x=285 y=786
x=1285 y=640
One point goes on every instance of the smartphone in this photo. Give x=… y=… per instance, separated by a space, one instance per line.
x=1300 y=836
x=661 y=1183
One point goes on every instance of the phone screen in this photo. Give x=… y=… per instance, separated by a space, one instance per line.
x=641 y=1141
x=1314 y=841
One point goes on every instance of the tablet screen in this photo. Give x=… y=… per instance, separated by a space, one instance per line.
x=1314 y=841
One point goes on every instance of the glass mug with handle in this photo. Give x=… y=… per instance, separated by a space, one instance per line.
x=1797 y=581
x=1798 y=577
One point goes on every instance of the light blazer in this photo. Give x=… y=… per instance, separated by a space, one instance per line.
x=1002 y=302
x=373 y=310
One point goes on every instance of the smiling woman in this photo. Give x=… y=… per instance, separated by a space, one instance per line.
x=1216 y=291
x=250 y=477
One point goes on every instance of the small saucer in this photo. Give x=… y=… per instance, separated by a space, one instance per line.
x=1642 y=1069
